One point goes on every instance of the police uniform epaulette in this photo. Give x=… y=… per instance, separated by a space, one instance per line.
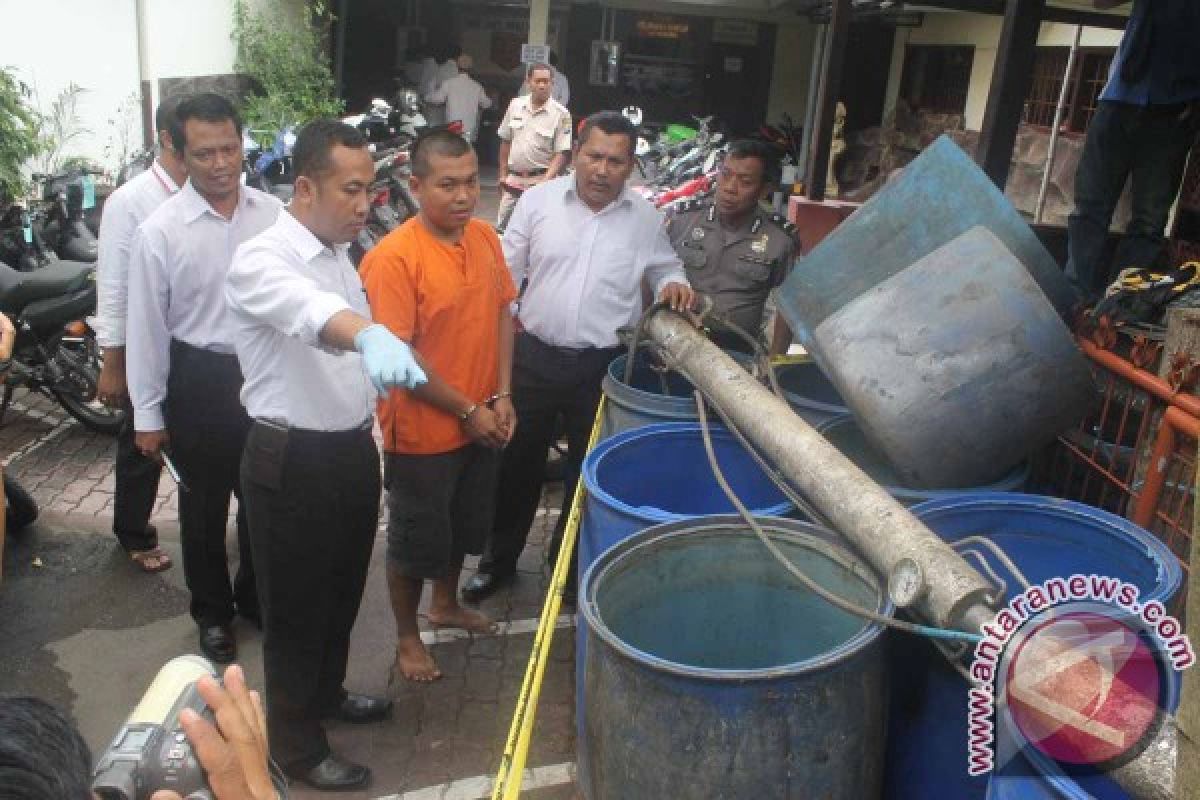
x=782 y=222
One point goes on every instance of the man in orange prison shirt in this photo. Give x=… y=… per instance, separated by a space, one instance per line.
x=440 y=283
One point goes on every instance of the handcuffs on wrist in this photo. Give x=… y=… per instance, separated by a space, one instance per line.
x=466 y=415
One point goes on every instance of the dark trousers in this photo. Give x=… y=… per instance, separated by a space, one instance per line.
x=547 y=381
x=136 y=490
x=207 y=427
x=1148 y=146
x=313 y=501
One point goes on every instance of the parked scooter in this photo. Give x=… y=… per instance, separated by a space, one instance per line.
x=389 y=125
x=54 y=353
x=21 y=243
x=60 y=219
x=392 y=202
x=270 y=169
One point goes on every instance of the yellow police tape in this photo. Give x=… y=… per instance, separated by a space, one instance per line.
x=520 y=732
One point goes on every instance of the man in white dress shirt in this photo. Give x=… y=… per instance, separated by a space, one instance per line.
x=128 y=207
x=435 y=113
x=310 y=471
x=463 y=97
x=183 y=375
x=585 y=243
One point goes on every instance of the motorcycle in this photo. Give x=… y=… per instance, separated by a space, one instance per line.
x=60 y=220
x=683 y=171
x=54 y=353
x=270 y=169
x=392 y=202
x=21 y=243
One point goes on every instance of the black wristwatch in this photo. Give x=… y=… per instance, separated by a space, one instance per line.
x=5 y=365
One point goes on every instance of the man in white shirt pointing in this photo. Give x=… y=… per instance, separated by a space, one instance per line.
x=183 y=375
x=310 y=472
x=128 y=207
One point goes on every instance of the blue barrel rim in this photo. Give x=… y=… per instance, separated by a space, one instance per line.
x=807 y=402
x=625 y=395
x=867 y=635
x=1018 y=475
x=591 y=463
x=1170 y=573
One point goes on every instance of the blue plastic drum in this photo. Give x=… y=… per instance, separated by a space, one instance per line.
x=1044 y=537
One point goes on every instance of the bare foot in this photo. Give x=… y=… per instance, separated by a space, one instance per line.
x=467 y=619
x=414 y=662
x=152 y=560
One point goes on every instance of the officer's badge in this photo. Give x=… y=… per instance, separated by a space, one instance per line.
x=760 y=245
x=697 y=233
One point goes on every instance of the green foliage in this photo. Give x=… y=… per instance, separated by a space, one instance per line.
x=59 y=127
x=124 y=132
x=283 y=57
x=19 y=137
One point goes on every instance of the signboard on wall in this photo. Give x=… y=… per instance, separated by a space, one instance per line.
x=735 y=31
x=662 y=28
x=535 y=54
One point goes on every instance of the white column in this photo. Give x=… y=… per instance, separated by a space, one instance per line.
x=145 y=69
x=539 y=21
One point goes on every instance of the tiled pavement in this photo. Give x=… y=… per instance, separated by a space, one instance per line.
x=83 y=629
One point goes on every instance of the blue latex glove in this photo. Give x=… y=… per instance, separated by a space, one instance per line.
x=389 y=361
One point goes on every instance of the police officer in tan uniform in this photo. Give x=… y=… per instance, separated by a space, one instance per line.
x=535 y=139
x=733 y=250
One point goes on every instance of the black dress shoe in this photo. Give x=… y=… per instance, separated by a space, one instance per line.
x=485 y=584
x=217 y=643
x=333 y=775
x=360 y=708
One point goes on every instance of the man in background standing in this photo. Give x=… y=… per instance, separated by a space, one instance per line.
x=426 y=80
x=535 y=140
x=1145 y=123
x=184 y=378
x=436 y=112
x=463 y=97
x=585 y=243
x=128 y=207
x=560 y=88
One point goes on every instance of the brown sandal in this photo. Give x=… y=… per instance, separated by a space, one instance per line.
x=152 y=560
